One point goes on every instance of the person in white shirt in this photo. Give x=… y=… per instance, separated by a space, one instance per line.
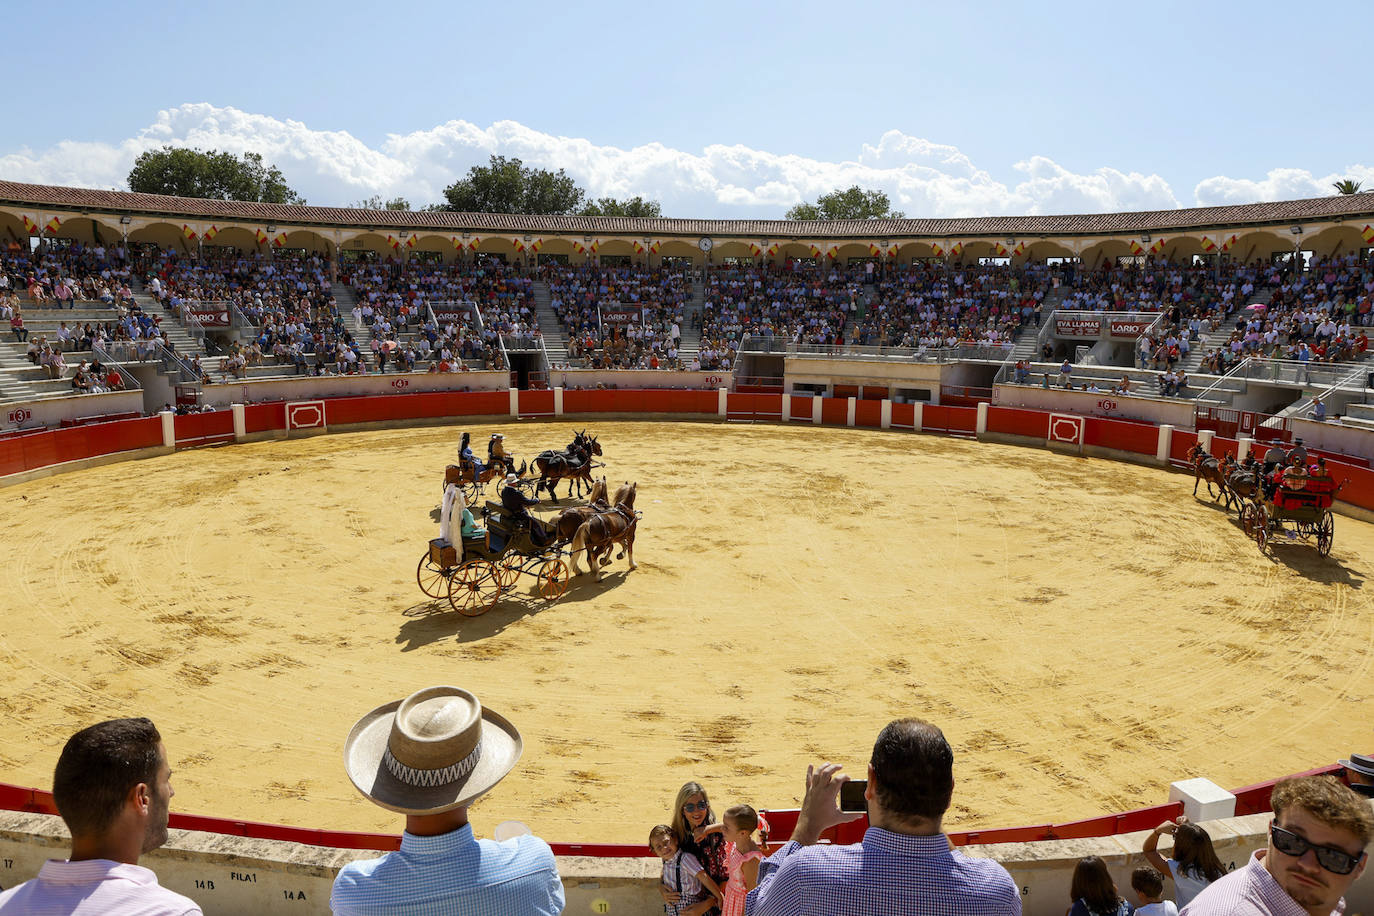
x=113 y=788
x=1148 y=885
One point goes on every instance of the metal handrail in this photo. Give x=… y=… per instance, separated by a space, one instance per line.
x=171 y=361
x=103 y=355
x=752 y=344
x=237 y=319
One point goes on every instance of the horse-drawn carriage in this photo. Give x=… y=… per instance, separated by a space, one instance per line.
x=1301 y=501
x=473 y=573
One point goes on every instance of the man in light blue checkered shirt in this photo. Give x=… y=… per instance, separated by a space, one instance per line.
x=904 y=864
x=428 y=757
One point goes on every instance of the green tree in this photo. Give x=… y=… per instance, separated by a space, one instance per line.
x=632 y=206
x=1347 y=186
x=855 y=203
x=211 y=175
x=375 y=202
x=509 y=186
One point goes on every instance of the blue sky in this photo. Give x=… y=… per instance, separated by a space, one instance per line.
x=716 y=109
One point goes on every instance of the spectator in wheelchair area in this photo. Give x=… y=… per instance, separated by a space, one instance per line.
x=904 y=863
x=1316 y=851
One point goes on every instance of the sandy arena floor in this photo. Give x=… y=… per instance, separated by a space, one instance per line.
x=1084 y=631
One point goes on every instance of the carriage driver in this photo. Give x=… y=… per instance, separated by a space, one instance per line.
x=496 y=452
x=515 y=502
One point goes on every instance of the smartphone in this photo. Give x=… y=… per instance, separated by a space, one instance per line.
x=852 y=795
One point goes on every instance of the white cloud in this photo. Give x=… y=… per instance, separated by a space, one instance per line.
x=921 y=177
x=1279 y=184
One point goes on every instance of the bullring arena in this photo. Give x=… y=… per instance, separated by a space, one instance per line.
x=834 y=532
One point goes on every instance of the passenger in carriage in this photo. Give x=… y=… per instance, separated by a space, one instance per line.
x=496 y=452
x=466 y=456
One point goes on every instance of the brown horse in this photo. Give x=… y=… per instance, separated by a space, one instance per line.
x=569 y=520
x=598 y=533
x=1207 y=468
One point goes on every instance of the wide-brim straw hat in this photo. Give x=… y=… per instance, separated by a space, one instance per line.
x=436 y=750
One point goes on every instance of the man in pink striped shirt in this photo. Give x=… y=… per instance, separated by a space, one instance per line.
x=1316 y=850
x=113 y=787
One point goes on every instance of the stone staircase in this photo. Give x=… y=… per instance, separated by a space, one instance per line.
x=690 y=345
x=1214 y=339
x=555 y=339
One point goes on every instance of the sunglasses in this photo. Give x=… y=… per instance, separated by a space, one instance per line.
x=697 y=806
x=1336 y=861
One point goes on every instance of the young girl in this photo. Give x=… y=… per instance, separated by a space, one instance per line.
x=687 y=889
x=742 y=858
x=698 y=832
x=1093 y=891
x=1194 y=864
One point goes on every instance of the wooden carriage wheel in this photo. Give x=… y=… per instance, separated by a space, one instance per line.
x=433 y=579
x=1261 y=524
x=1247 y=519
x=508 y=570
x=553 y=579
x=1326 y=532
x=474 y=588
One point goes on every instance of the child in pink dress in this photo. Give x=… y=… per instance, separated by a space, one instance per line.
x=742 y=857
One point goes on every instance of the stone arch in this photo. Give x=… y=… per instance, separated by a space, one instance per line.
x=239 y=237
x=12 y=230
x=1106 y=250
x=734 y=248
x=369 y=241
x=1045 y=248
x=849 y=250
x=162 y=234
x=1336 y=240
x=1259 y=244
x=309 y=239
x=906 y=251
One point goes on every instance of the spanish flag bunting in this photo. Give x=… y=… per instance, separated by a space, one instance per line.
x=1230 y=243
x=874 y=250
x=1019 y=250
x=655 y=246
x=1137 y=248
x=1208 y=244
x=755 y=249
x=210 y=233
x=815 y=252
x=457 y=243
x=937 y=249
x=579 y=247
x=538 y=243
x=410 y=242
x=260 y=236
x=833 y=252
x=772 y=249
x=1000 y=249
x=519 y=245
x=639 y=249
x=54 y=224
x=1368 y=233
x=394 y=242
x=472 y=245
x=30 y=226
x=188 y=232
x=892 y=251
x=1157 y=247
x=956 y=249
x=596 y=243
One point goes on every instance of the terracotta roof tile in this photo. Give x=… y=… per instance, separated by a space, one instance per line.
x=1359 y=206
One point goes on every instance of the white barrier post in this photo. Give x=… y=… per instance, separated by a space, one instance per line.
x=1166 y=439
x=849 y=414
x=885 y=414
x=1203 y=800
x=1204 y=439
x=558 y=402
x=786 y=407
x=982 y=425
x=723 y=403
x=240 y=422
x=916 y=417
x=169 y=428
x=515 y=402
x=1243 y=447
x=816 y=408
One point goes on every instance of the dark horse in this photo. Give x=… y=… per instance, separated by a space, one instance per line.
x=573 y=463
x=598 y=533
x=1207 y=468
x=1242 y=479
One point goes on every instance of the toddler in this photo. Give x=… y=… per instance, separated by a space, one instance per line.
x=742 y=857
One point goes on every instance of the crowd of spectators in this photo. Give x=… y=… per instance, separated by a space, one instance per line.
x=646 y=306
x=58 y=275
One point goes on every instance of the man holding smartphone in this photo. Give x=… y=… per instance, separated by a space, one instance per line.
x=904 y=864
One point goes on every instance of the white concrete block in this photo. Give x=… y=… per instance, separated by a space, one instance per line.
x=1203 y=800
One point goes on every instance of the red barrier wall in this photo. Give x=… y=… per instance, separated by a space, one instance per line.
x=1180 y=444
x=835 y=410
x=753 y=406
x=41 y=449
x=1223 y=447
x=1123 y=435
x=536 y=403
x=903 y=415
x=195 y=429
x=802 y=407
x=949 y=419
x=868 y=413
x=1013 y=421
x=261 y=418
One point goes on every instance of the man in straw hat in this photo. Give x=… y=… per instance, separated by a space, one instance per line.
x=429 y=757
